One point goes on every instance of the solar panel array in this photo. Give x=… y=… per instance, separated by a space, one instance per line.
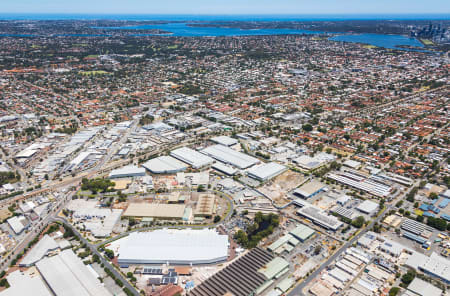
x=168 y=280
x=415 y=227
x=343 y=212
x=154 y=271
x=241 y=278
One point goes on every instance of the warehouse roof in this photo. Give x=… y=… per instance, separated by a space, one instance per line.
x=224 y=140
x=274 y=267
x=164 y=164
x=23 y=284
x=192 y=157
x=228 y=155
x=45 y=245
x=155 y=210
x=230 y=171
x=67 y=275
x=240 y=278
x=318 y=216
x=266 y=171
x=127 y=171
x=420 y=287
x=205 y=205
x=174 y=246
x=308 y=189
x=368 y=206
x=302 y=232
x=18 y=223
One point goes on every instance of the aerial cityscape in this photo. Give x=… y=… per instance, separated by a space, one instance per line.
x=206 y=149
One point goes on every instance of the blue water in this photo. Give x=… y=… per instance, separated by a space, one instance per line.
x=183 y=30
x=380 y=40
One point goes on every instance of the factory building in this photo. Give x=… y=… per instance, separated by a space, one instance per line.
x=368 y=207
x=171 y=246
x=205 y=205
x=191 y=157
x=229 y=156
x=66 y=275
x=251 y=274
x=128 y=171
x=266 y=171
x=165 y=165
x=158 y=211
x=317 y=216
x=224 y=140
x=309 y=189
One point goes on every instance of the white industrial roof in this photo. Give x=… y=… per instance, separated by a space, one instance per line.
x=186 y=246
x=192 y=157
x=22 y=284
x=228 y=155
x=164 y=164
x=45 y=245
x=17 y=223
x=127 y=171
x=224 y=140
x=317 y=215
x=266 y=171
x=420 y=287
x=67 y=275
x=224 y=168
x=26 y=153
x=352 y=163
x=310 y=188
x=368 y=206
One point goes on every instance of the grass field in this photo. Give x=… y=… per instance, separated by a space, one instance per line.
x=426 y=42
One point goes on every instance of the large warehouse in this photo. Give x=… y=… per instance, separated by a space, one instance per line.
x=175 y=247
x=224 y=140
x=159 y=211
x=266 y=171
x=309 y=189
x=164 y=165
x=66 y=275
x=128 y=171
x=193 y=158
x=230 y=156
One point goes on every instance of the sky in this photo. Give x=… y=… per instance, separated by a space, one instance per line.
x=223 y=7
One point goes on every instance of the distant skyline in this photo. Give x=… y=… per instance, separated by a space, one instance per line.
x=227 y=7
